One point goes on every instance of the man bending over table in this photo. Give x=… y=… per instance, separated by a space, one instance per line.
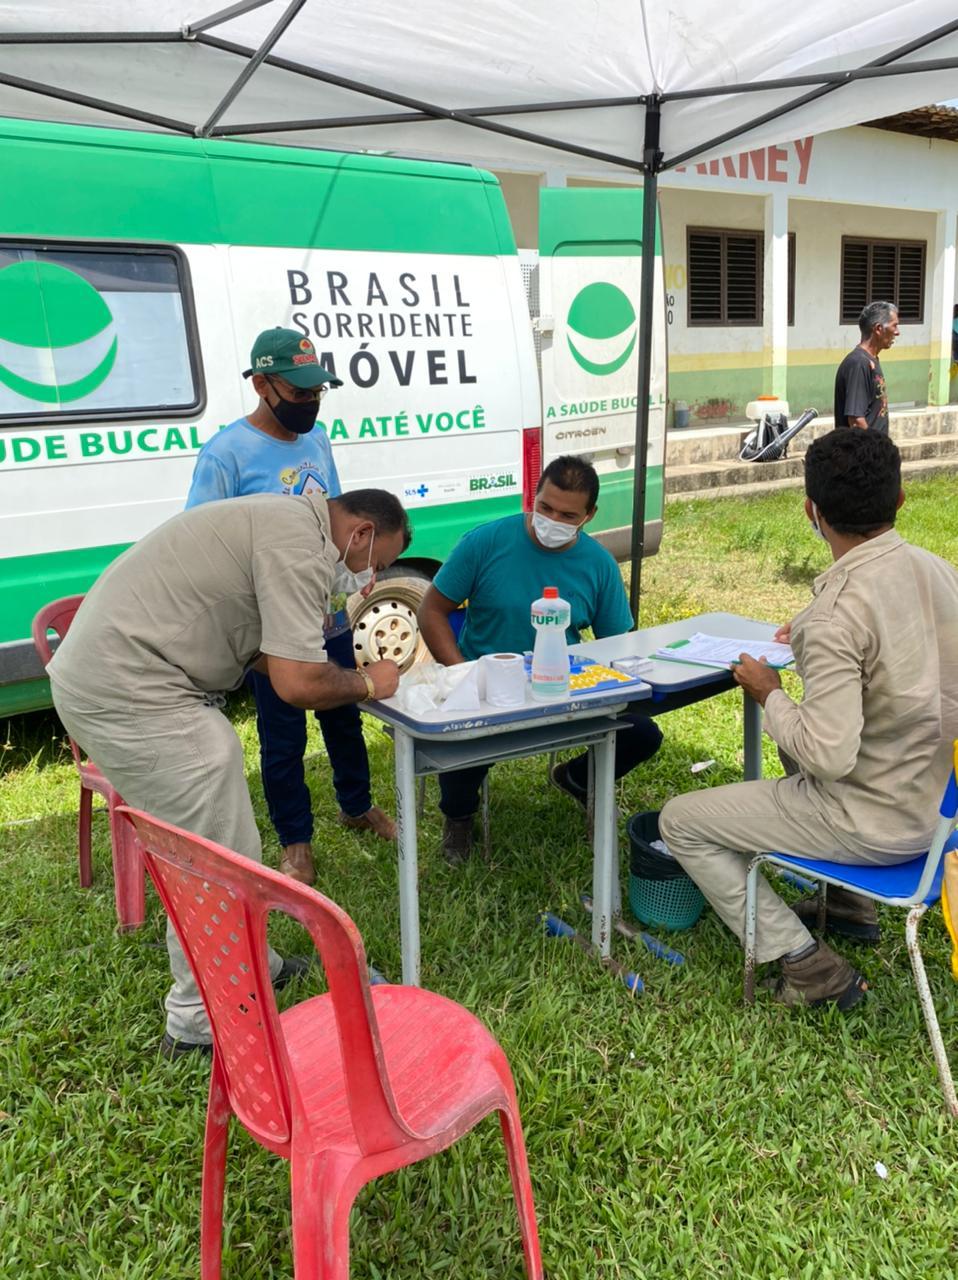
x=868 y=749
x=500 y=569
x=181 y=617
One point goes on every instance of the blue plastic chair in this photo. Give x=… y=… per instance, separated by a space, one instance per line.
x=915 y=884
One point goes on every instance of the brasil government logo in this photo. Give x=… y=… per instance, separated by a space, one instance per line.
x=57 y=335
x=602 y=329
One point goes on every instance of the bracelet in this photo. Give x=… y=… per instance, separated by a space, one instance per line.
x=370 y=694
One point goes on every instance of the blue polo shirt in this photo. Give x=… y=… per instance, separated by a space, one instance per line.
x=500 y=570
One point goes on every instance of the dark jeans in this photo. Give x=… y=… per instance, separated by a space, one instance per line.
x=459 y=789
x=282 y=744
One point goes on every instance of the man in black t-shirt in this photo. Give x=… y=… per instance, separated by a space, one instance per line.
x=860 y=396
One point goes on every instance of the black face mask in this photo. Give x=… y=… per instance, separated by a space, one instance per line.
x=295 y=416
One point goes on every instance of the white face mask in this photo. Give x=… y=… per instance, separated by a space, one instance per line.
x=553 y=533
x=816 y=528
x=349 y=580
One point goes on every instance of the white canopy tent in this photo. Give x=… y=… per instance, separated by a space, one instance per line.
x=634 y=84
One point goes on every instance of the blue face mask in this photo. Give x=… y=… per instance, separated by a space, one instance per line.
x=816 y=528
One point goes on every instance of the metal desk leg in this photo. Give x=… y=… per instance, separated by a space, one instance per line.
x=752 y=738
x=605 y=858
x=408 y=856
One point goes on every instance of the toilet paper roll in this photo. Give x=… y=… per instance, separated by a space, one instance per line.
x=505 y=677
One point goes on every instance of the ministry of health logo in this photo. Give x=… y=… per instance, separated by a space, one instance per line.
x=57 y=336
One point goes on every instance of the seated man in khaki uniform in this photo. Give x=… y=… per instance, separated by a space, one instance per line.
x=867 y=751
x=181 y=617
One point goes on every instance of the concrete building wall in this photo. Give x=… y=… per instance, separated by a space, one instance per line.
x=717 y=370
x=859 y=182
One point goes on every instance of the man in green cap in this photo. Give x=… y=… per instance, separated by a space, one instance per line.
x=275 y=449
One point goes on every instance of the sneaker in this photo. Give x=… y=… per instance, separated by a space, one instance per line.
x=559 y=777
x=821 y=977
x=172 y=1049
x=293 y=967
x=847 y=914
x=297 y=862
x=457 y=839
x=374 y=819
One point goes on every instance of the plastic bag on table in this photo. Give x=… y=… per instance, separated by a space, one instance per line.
x=428 y=685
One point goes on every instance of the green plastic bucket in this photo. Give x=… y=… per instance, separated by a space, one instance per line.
x=660 y=892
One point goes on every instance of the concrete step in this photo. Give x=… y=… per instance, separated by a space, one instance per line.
x=726 y=474
x=722 y=444
x=911 y=469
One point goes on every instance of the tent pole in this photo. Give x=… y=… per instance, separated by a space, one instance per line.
x=651 y=160
x=237 y=86
x=191 y=29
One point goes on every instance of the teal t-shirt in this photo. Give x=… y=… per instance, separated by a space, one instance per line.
x=500 y=571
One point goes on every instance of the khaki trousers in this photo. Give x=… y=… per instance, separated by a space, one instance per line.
x=714 y=834
x=183 y=765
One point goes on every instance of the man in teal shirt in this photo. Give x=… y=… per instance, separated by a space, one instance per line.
x=500 y=568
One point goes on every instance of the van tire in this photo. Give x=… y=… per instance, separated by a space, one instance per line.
x=386 y=619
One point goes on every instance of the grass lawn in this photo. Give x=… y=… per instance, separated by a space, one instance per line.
x=679 y=1135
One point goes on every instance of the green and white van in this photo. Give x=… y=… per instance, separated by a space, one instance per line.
x=136 y=268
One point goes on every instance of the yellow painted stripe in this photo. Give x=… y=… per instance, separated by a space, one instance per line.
x=763 y=359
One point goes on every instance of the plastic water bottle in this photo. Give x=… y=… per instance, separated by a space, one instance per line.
x=550 y=657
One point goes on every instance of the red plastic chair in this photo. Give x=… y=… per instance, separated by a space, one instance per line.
x=129 y=876
x=346 y=1086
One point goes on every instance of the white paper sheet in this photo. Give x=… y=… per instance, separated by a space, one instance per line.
x=719 y=651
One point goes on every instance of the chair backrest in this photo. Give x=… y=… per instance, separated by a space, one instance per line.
x=56 y=617
x=218 y=903
x=947 y=820
x=457 y=620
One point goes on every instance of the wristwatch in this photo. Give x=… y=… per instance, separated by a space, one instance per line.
x=370 y=693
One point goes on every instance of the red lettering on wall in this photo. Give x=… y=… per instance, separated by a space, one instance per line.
x=755 y=159
x=771 y=164
x=803 y=149
x=777 y=156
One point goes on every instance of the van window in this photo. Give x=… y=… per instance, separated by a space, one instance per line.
x=87 y=331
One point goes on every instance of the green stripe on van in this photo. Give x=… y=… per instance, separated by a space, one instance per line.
x=161 y=187
x=29 y=582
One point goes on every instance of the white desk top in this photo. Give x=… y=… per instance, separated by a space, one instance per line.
x=665 y=678
x=671 y=677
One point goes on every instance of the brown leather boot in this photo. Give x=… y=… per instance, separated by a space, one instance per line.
x=847 y=914
x=821 y=977
x=457 y=840
x=374 y=819
x=297 y=863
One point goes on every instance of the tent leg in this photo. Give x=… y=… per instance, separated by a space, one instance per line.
x=651 y=160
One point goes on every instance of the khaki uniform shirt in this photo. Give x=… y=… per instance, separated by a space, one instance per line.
x=877 y=650
x=188 y=608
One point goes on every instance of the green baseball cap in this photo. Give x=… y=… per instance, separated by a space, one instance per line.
x=287 y=353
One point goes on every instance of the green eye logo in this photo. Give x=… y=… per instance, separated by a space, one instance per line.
x=602 y=319
x=56 y=333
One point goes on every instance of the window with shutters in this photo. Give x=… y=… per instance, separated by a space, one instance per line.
x=725 y=275
x=883 y=271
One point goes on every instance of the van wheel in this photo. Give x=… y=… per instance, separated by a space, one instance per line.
x=384 y=624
